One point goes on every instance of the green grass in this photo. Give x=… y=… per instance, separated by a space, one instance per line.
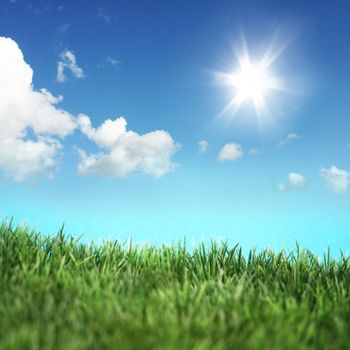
x=57 y=293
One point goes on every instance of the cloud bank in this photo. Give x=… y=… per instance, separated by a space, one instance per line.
x=30 y=121
x=33 y=127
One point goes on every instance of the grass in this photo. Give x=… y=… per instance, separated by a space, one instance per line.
x=57 y=293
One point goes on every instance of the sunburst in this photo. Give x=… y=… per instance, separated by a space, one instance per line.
x=251 y=81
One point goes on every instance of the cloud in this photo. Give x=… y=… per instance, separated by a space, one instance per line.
x=109 y=60
x=63 y=28
x=113 y=61
x=68 y=61
x=253 y=152
x=202 y=146
x=290 y=137
x=30 y=121
x=126 y=152
x=103 y=16
x=107 y=134
x=21 y=159
x=231 y=151
x=295 y=182
x=336 y=180
x=32 y=127
x=282 y=187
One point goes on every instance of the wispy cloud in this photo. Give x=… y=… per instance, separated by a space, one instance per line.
x=202 y=146
x=113 y=61
x=103 y=16
x=253 y=152
x=109 y=61
x=290 y=137
x=63 y=28
x=68 y=62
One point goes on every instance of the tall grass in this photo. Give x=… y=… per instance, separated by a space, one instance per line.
x=57 y=293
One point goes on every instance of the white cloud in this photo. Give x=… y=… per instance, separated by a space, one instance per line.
x=202 y=146
x=21 y=159
x=31 y=125
x=231 y=151
x=290 y=137
x=336 y=180
x=68 y=61
x=295 y=182
x=28 y=118
x=126 y=152
x=107 y=134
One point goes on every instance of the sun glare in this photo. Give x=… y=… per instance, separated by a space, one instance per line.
x=251 y=82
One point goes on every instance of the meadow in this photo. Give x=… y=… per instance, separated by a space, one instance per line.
x=59 y=293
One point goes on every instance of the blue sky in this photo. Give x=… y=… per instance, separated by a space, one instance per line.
x=158 y=67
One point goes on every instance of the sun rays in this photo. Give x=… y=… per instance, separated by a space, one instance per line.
x=251 y=81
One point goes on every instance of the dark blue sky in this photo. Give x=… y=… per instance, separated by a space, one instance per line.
x=154 y=63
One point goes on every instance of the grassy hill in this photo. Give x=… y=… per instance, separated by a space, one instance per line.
x=57 y=293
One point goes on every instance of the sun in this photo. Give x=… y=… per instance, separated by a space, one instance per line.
x=251 y=81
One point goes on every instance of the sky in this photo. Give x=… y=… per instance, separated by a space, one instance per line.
x=166 y=120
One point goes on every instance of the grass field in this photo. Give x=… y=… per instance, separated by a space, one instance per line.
x=57 y=293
